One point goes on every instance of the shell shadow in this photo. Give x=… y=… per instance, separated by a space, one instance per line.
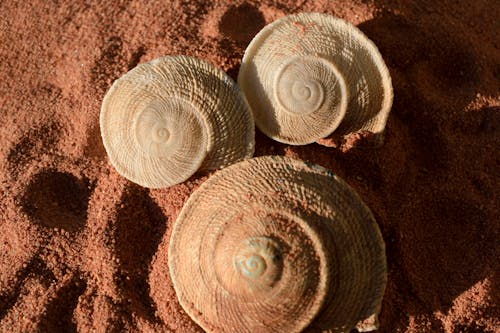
x=57 y=199
x=444 y=256
x=140 y=227
x=241 y=23
x=237 y=26
x=267 y=146
x=434 y=64
x=136 y=56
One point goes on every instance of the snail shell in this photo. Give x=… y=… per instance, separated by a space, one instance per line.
x=272 y=244
x=167 y=118
x=308 y=75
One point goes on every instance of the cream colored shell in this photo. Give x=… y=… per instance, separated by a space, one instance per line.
x=167 y=118
x=308 y=75
x=272 y=244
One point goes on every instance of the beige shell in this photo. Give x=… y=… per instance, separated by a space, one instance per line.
x=167 y=118
x=272 y=244
x=308 y=75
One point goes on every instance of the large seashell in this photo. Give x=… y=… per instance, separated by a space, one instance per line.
x=272 y=244
x=308 y=75
x=167 y=118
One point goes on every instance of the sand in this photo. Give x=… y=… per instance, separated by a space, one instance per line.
x=83 y=249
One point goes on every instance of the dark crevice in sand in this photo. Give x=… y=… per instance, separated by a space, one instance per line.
x=267 y=146
x=35 y=268
x=140 y=227
x=60 y=311
x=57 y=199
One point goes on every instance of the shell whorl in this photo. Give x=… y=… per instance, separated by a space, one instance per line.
x=274 y=245
x=167 y=118
x=156 y=128
x=258 y=261
x=308 y=75
x=300 y=89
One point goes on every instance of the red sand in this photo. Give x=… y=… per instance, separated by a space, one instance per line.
x=81 y=248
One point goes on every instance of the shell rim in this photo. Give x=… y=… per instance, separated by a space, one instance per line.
x=364 y=40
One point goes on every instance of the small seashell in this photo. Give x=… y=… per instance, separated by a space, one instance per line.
x=272 y=244
x=308 y=75
x=167 y=118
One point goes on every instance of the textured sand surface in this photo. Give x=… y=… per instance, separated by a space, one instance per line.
x=83 y=249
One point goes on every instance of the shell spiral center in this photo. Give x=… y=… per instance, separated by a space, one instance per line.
x=152 y=130
x=258 y=260
x=299 y=84
x=160 y=133
x=253 y=267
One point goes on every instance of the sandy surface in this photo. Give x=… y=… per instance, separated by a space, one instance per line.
x=81 y=248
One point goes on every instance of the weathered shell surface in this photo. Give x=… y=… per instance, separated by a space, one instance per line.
x=167 y=118
x=308 y=75
x=272 y=244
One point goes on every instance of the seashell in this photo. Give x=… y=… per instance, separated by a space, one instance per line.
x=272 y=244
x=165 y=119
x=308 y=75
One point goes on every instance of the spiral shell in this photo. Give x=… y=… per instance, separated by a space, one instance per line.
x=272 y=244
x=167 y=118
x=308 y=75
